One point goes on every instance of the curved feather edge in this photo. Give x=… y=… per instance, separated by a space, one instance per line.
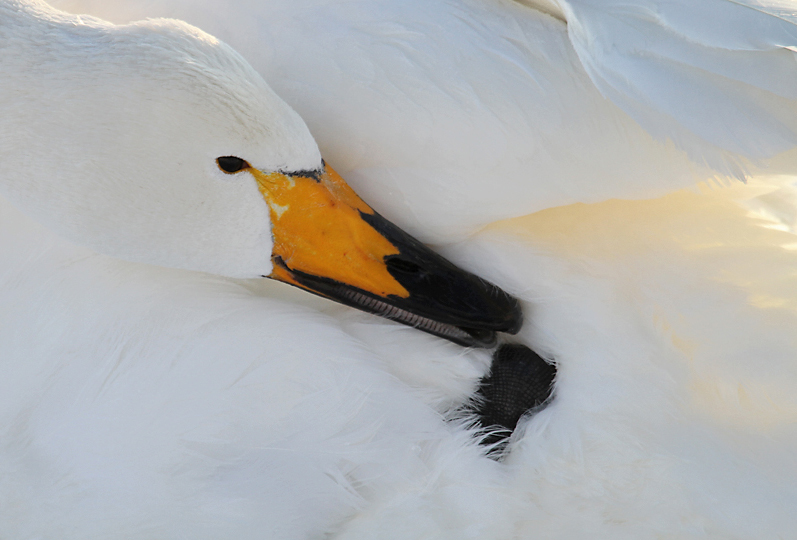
x=718 y=77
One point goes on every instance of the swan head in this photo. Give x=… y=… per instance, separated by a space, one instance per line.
x=154 y=142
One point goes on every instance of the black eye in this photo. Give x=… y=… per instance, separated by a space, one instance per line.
x=231 y=164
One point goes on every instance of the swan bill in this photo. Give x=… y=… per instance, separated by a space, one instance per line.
x=331 y=243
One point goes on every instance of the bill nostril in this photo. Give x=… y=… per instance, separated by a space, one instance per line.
x=403 y=266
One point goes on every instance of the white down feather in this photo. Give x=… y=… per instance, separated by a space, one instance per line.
x=142 y=402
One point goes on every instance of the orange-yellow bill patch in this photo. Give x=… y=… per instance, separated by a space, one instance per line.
x=318 y=230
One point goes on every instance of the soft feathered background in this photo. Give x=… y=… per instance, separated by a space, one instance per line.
x=140 y=402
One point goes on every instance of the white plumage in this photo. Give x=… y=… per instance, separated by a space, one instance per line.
x=144 y=402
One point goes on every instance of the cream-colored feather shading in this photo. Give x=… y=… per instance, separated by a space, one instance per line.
x=672 y=321
x=142 y=402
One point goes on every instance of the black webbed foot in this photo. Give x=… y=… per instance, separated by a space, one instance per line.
x=519 y=381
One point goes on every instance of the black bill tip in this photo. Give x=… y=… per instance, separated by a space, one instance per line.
x=445 y=293
x=442 y=299
x=391 y=308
